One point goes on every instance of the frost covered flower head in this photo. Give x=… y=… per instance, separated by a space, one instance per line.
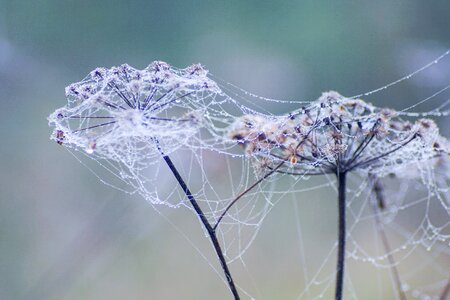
x=121 y=113
x=440 y=162
x=338 y=134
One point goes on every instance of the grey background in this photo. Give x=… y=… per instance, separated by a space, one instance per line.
x=64 y=235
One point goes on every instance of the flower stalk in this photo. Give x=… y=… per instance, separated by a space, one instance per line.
x=380 y=204
x=206 y=224
x=338 y=135
x=341 y=235
x=120 y=114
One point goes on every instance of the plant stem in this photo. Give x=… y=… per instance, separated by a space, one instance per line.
x=204 y=220
x=341 y=236
x=245 y=192
x=380 y=205
x=446 y=291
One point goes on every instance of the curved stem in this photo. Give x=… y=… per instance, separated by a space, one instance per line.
x=272 y=170
x=204 y=220
x=245 y=192
x=341 y=236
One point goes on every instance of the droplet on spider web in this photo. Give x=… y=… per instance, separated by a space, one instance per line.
x=128 y=152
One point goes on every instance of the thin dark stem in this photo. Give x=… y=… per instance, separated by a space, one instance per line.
x=116 y=89
x=149 y=97
x=272 y=170
x=171 y=101
x=306 y=172
x=363 y=163
x=94 y=126
x=361 y=148
x=169 y=119
x=204 y=220
x=108 y=104
x=245 y=192
x=341 y=236
x=366 y=141
x=92 y=117
x=157 y=100
x=120 y=94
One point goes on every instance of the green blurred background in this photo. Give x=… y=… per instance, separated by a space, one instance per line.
x=64 y=235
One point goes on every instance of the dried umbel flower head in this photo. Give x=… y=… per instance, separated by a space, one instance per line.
x=255 y=132
x=121 y=112
x=338 y=134
x=133 y=118
x=440 y=162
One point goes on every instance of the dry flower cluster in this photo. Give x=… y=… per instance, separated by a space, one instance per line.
x=135 y=118
x=340 y=134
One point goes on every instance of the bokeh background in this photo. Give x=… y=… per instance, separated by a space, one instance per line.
x=64 y=235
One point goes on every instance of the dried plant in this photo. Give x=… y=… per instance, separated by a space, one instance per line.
x=130 y=120
x=338 y=135
x=133 y=118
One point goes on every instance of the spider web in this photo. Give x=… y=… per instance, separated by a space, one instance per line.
x=125 y=120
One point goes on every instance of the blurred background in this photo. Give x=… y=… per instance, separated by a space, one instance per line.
x=64 y=235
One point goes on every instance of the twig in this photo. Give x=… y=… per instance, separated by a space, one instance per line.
x=205 y=223
x=245 y=192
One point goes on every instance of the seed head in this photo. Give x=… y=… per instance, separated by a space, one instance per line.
x=337 y=133
x=119 y=113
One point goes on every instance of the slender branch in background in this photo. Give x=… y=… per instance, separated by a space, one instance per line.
x=272 y=170
x=446 y=291
x=380 y=204
x=205 y=222
x=245 y=192
x=341 y=235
